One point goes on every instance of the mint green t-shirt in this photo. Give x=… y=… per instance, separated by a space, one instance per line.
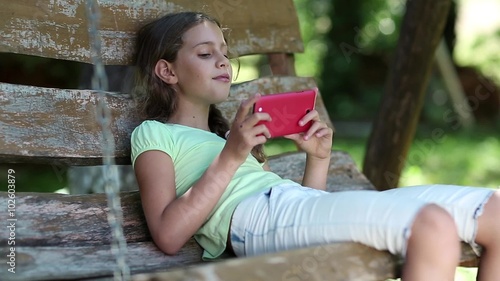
x=192 y=151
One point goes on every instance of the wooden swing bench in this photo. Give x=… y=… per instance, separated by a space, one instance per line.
x=67 y=237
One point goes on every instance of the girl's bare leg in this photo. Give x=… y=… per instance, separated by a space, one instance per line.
x=433 y=250
x=488 y=236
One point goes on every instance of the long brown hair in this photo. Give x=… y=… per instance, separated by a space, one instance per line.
x=162 y=39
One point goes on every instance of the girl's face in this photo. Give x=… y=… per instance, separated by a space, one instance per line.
x=202 y=68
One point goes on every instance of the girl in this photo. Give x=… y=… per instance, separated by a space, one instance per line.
x=194 y=181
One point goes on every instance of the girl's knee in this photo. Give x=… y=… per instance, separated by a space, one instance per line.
x=434 y=221
x=434 y=233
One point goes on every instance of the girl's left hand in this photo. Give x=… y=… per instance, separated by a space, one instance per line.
x=317 y=141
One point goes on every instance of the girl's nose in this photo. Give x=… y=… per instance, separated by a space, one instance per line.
x=223 y=62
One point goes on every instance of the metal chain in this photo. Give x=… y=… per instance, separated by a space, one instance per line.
x=110 y=171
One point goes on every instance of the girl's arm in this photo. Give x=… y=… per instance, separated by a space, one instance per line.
x=316 y=172
x=317 y=143
x=171 y=220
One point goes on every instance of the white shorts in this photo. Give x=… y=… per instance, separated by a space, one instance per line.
x=291 y=216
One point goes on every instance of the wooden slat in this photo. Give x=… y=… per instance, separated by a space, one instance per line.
x=79 y=262
x=345 y=261
x=50 y=219
x=46 y=125
x=343 y=173
x=89 y=262
x=58 y=28
x=342 y=261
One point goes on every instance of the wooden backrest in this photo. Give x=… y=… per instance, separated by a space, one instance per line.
x=58 y=28
x=49 y=125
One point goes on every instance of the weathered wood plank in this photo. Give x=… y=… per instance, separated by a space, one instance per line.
x=58 y=28
x=53 y=125
x=63 y=262
x=47 y=125
x=316 y=263
x=49 y=219
x=343 y=173
x=342 y=261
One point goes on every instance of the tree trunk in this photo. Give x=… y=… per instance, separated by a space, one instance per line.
x=395 y=125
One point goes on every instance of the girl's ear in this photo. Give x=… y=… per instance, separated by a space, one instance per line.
x=164 y=71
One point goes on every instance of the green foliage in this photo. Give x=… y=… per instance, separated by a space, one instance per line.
x=381 y=21
x=314 y=23
x=35 y=178
x=338 y=36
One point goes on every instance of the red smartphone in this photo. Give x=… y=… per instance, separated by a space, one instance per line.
x=286 y=109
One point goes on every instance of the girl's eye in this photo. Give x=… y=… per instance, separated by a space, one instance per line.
x=204 y=55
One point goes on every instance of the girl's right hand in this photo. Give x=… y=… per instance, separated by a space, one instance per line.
x=245 y=133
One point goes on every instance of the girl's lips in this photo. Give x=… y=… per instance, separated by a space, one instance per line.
x=223 y=78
